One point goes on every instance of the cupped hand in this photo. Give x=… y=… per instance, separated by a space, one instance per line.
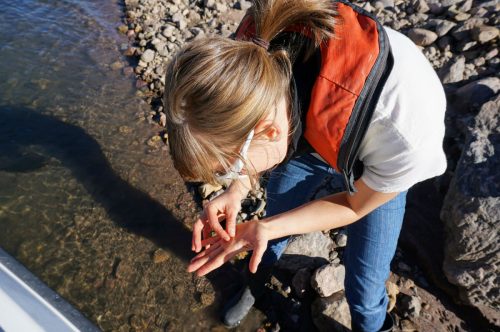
x=227 y=206
x=251 y=235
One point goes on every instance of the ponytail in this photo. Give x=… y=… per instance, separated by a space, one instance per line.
x=315 y=19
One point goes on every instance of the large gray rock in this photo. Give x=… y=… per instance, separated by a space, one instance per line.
x=454 y=71
x=471 y=215
x=328 y=279
x=476 y=93
x=331 y=313
x=306 y=251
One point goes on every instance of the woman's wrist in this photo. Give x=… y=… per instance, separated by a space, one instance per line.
x=269 y=228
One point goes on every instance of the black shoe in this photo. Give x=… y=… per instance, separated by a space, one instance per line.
x=388 y=323
x=237 y=308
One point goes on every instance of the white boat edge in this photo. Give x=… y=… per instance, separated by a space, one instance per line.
x=27 y=304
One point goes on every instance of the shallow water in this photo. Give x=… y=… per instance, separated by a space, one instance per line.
x=86 y=197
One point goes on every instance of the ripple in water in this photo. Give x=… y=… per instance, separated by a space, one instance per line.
x=84 y=202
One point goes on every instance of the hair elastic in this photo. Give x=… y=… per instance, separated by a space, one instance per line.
x=261 y=42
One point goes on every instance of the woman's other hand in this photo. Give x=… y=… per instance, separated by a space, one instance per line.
x=227 y=206
x=251 y=235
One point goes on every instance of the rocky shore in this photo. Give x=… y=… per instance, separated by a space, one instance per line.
x=460 y=39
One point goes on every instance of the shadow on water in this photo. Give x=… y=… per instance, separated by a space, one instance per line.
x=22 y=128
x=128 y=207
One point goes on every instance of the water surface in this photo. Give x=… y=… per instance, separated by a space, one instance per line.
x=86 y=197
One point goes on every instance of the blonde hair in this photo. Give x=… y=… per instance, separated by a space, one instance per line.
x=217 y=89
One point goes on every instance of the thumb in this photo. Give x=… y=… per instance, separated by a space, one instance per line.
x=231 y=222
x=256 y=258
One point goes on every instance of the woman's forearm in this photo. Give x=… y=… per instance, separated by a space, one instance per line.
x=326 y=213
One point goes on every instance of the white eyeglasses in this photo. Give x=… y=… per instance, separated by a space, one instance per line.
x=235 y=171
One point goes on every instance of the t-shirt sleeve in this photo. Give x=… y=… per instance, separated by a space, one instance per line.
x=404 y=142
x=392 y=164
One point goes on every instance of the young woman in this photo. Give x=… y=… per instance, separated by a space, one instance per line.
x=307 y=89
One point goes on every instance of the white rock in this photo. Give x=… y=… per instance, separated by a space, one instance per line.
x=148 y=56
x=328 y=279
x=179 y=20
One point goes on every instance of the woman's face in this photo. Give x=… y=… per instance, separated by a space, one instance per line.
x=265 y=147
x=270 y=146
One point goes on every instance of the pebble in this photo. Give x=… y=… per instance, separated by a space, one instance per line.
x=117 y=65
x=163 y=120
x=179 y=20
x=130 y=51
x=243 y=5
x=484 y=33
x=443 y=27
x=148 y=56
x=421 y=6
x=160 y=256
x=123 y=29
x=207 y=298
x=341 y=240
x=422 y=37
x=220 y=7
x=209 y=3
x=454 y=72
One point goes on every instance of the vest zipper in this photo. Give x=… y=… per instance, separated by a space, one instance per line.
x=363 y=111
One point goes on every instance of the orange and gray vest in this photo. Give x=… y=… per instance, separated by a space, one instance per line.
x=340 y=85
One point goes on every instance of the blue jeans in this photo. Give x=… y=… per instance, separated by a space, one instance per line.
x=371 y=241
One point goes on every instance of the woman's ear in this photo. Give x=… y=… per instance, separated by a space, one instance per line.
x=268 y=130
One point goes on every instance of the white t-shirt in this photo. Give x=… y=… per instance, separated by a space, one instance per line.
x=404 y=141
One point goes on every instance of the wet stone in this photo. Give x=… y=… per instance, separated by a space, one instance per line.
x=207 y=298
x=117 y=65
x=160 y=256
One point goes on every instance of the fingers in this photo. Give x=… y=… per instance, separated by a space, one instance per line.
x=210 y=240
x=197 y=229
x=208 y=255
x=205 y=252
x=257 y=254
x=231 y=222
x=213 y=220
x=216 y=260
